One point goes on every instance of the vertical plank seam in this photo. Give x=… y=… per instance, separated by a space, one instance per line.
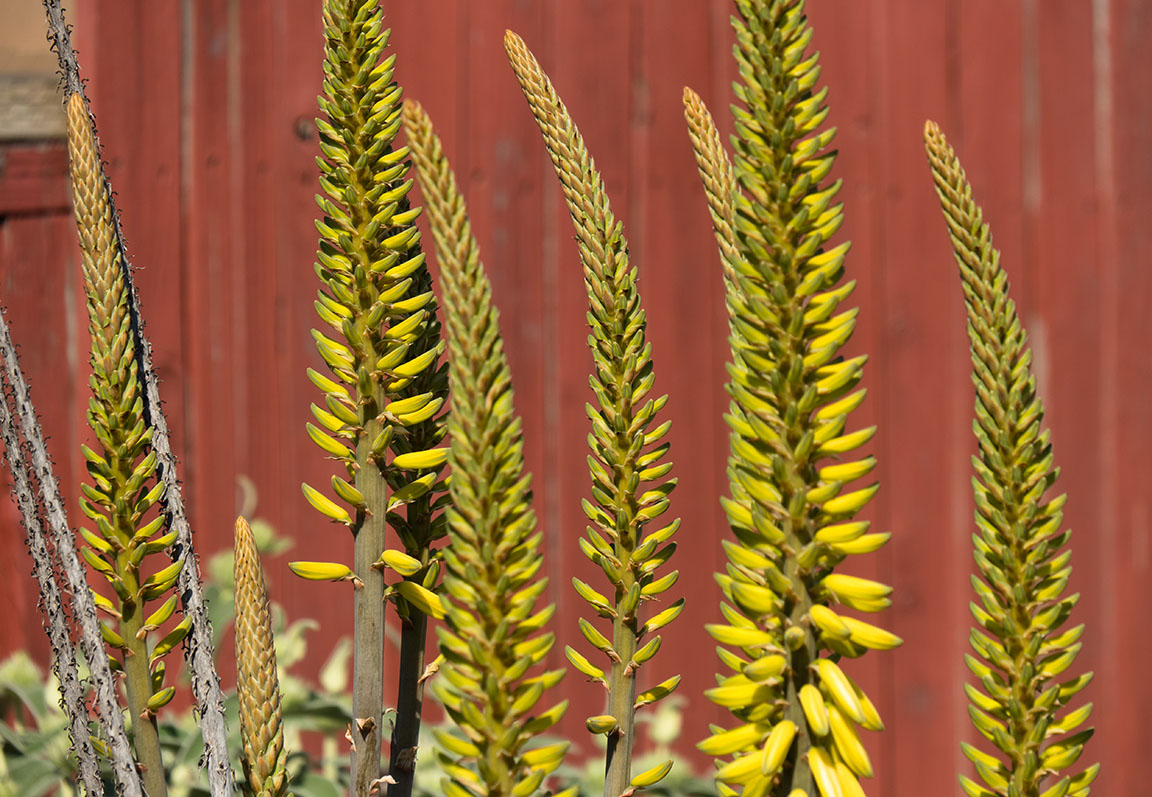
x=237 y=334
x=187 y=119
x=550 y=342
x=881 y=372
x=958 y=439
x=1108 y=364
x=463 y=95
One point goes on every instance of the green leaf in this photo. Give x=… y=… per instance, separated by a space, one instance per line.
x=110 y=636
x=98 y=564
x=417 y=364
x=346 y=492
x=663 y=618
x=604 y=723
x=582 y=664
x=164 y=576
x=647 y=651
x=161 y=699
x=658 y=692
x=326 y=443
x=412 y=491
x=595 y=638
x=170 y=640
x=161 y=615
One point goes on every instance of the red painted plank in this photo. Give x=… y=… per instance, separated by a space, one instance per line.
x=924 y=437
x=212 y=290
x=131 y=53
x=258 y=147
x=213 y=296
x=24 y=630
x=1064 y=318
x=40 y=290
x=989 y=129
x=682 y=291
x=228 y=288
x=297 y=60
x=34 y=178
x=505 y=177
x=1125 y=374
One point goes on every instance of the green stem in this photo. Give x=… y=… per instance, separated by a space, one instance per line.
x=368 y=662
x=799 y=775
x=409 y=701
x=138 y=684
x=621 y=699
x=797 y=478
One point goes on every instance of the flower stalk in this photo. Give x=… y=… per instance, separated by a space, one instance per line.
x=792 y=466
x=379 y=417
x=123 y=471
x=630 y=487
x=1023 y=653
x=495 y=640
x=197 y=628
x=257 y=686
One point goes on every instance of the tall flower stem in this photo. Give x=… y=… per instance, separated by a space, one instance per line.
x=492 y=646
x=379 y=416
x=1022 y=652
x=792 y=467
x=629 y=485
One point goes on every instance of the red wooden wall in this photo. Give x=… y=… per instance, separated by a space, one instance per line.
x=205 y=111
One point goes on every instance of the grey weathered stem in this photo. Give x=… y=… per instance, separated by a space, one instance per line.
x=83 y=608
x=198 y=646
x=368 y=633
x=621 y=699
x=51 y=604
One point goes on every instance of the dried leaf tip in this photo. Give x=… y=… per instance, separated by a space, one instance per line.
x=258 y=690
